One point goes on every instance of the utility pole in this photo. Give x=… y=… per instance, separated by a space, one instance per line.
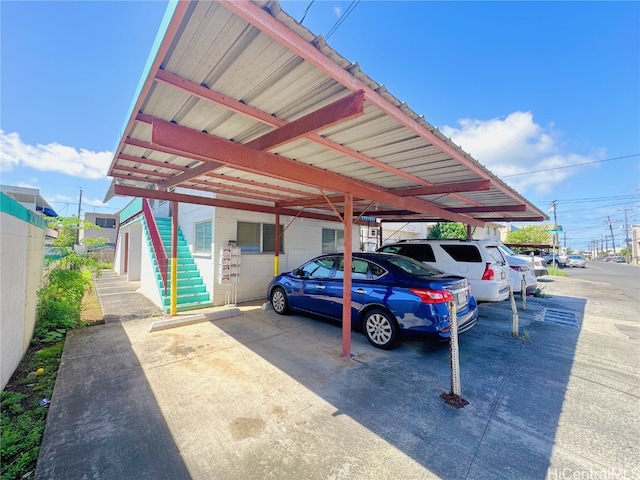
x=613 y=243
x=626 y=236
x=79 y=209
x=555 y=238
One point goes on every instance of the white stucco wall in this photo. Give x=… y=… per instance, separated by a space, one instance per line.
x=148 y=282
x=188 y=216
x=302 y=241
x=21 y=271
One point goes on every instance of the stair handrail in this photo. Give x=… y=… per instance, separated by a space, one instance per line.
x=156 y=242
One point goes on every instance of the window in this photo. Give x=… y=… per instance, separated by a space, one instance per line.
x=106 y=222
x=420 y=252
x=463 y=253
x=332 y=240
x=269 y=238
x=203 y=237
x=256 y=238
x=319 y=268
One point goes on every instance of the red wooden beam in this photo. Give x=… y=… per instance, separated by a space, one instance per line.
x=153 y=163
x=471 y=186
x=490 y=208
x=346 y=108
x=142 y=171
x=244 y=109
x=343 y=109
x=128 y=191
x=189 y=142
x=269 y=25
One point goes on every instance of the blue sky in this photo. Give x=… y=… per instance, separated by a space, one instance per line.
x=530 y=89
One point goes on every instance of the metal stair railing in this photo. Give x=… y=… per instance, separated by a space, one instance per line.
x=156 y=241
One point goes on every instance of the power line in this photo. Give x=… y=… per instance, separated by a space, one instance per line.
x=570 y=166
x=305 y=11
x=335 y=27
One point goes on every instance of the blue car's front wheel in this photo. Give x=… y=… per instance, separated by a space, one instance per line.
x=279 y=301
x=380 y=328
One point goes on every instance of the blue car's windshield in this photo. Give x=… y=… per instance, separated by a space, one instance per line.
x=413 y=267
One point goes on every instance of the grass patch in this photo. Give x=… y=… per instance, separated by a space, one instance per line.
x=556 y=271
x=63 y=304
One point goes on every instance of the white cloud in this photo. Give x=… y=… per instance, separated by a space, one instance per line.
x=337 y=11
x=516 y=145
x=52 y=157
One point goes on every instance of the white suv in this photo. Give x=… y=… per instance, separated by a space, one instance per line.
x=481 y=261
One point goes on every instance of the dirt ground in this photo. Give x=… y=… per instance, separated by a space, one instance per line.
x=91 y=310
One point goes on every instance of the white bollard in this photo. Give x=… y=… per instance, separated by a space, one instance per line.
x=524 y=294
x=453 y=348
x=514 y=309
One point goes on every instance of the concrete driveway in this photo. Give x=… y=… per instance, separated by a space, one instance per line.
x=265 y=396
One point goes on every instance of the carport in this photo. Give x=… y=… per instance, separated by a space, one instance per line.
x=241 y=101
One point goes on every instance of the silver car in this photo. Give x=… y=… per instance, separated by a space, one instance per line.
x=577 y=261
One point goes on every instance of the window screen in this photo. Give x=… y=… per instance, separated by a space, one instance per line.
x=269 y=238
x=249 y=237
x=203 y=237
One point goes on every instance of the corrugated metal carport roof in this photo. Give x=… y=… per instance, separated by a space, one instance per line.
x=244 y=102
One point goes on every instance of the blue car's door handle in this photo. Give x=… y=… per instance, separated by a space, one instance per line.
x=361 y=291
x=320 y=287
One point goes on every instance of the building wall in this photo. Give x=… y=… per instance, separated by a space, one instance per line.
x=302 y=241
x=108 y=233
x=635 y=244
x=21 y=271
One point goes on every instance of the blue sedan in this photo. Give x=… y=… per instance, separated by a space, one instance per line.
x=392 y=296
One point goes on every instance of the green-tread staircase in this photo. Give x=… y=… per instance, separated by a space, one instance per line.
x=192 y=292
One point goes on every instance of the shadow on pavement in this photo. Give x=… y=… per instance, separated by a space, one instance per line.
x=104 y=420
x=516 y=387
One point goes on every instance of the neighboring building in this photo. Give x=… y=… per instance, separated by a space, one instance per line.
x=492 y=231
x=396 y=231
x=635 y=244
x=206 y=276
x=108 y=227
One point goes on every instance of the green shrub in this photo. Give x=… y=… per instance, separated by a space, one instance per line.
x=59 y=304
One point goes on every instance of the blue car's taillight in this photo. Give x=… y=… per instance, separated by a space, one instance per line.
x=432 y=296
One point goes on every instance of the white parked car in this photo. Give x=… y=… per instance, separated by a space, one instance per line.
x=481 y=261
x=521 y=269
x=538 y=264
x=577 y=261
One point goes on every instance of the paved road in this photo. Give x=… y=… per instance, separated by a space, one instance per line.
x=624 y=277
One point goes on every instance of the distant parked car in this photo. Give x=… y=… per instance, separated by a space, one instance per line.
x=577 y=261
x=392 y=296
x=559 y=259
x=481 y=261
x=538 y=264
x=520 y=269
x=619 y=259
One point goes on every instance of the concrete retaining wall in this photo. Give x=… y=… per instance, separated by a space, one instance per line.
x=21 y=271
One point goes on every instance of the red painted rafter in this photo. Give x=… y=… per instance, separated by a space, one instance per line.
x=171 y=32
x=490 y=208
x=340 y=110
x=471 y=186
x=244 y=109
x=188 y=142
x=128 y=191
x=142 y=171
x=266 y=23
x=153 y=163
x=149 y=146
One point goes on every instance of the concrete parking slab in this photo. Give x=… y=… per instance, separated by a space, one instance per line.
x=268 y=396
